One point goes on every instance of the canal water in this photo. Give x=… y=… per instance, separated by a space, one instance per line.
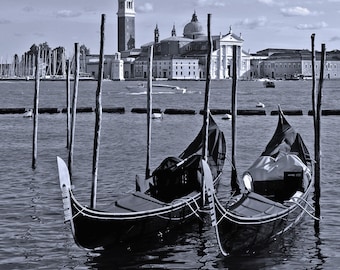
x=33 y=234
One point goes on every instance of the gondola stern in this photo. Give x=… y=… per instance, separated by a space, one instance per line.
x=65 y=186
x=64 y=175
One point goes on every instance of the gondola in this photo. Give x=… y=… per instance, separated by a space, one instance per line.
x=271 y=198
x=170 y=197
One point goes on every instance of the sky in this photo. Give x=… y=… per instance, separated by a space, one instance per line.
x=261 y=23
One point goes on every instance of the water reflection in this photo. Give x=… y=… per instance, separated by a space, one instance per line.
x=169 y=250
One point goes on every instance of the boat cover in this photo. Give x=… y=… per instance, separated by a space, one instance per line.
x=216 y=147
x=286 y=140
x=269 y=168
x=178 y=176
x=283 y=165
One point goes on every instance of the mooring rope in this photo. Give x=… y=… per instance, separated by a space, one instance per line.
x=304 y=208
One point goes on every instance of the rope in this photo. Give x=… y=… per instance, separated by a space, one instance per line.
x=304 y=208
x=79 y=212
x=187 y=202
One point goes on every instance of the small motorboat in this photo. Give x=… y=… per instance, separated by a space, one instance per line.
x=28 y=113
x=227 y=116
x=260 y=105
x=269 y=84
x=157 y=115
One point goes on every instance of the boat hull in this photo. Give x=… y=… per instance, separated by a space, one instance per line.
x=94 y=229
x=243 y=234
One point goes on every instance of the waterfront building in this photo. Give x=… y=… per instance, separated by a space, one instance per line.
x=291 y=64
x=92 y=64
x=184 y=57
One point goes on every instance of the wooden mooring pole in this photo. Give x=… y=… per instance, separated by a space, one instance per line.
x=35 y=110
x=99 y=112
x=317 y=126
x=149 y=112
x=234 y=184
x=74 y=107
x=68 y=104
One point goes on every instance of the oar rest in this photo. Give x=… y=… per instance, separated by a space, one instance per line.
x=280 y=189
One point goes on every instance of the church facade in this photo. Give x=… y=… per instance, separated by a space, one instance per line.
x=184 y=57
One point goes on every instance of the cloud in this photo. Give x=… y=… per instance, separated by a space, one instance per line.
x=145 y=8
x=38 y=34
x=335 y=38
x=211 y=3
x=267 y=2
x=272 y=2
x=296 y=11
x=311 y=26
x=28 y=9
x=252 y=23
x=4 y=21
x=66 y=13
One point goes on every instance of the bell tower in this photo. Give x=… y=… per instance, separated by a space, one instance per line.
x=126 y=25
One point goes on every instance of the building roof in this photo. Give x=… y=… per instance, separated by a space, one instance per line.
x=175 y=38
x=193 y=28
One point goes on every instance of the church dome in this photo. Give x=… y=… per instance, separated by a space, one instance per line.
x=193 y=29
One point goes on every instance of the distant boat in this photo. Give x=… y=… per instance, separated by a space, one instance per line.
x=269 y=84
x=227 y=116
x=292 y=78
x=157 y=115
x=174 y=87
x=260 y=105
x=28 y=113
x=159 y=87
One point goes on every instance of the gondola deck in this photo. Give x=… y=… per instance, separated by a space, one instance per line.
x=138 y=201
x=255 y=205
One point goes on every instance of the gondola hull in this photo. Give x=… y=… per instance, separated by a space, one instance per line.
x=244 y=234
x=170 y=197
x=272 y=197
x=94 y=229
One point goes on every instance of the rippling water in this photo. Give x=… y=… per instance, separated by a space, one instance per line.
x=33 y=235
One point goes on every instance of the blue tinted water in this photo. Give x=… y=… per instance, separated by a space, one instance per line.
x=33 y=235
